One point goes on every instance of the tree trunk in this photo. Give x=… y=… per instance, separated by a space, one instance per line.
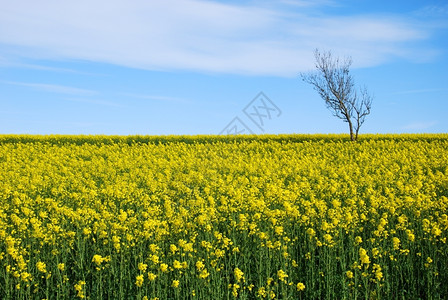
x=352 y=134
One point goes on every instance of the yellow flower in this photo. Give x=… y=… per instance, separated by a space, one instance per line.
x=61 y=267
x=163 y=267
x=262 y=292
x=97 y=259
x=86 y=231
x=279 y=230
x=155 y=259
x=239 y=275
x=154 y=248
x=204 y=274
x=328 y=238
x=139 y=280
x=177 y=264
x=79 y=288
x=235 y=290
x=376 y=253
x=282 y=275
x=363 y=256
x=219 y=253
x=142 y=267
x=396 y=243
x=300 y=286
x=41 y=267
x=311 y=232
x=175 y=284
x=436 y=231
x=411 y=236
x=349 y=274
x=199 y=265
x=151 y=276
x=173 y=248
x=25 y=276
x=377 y=271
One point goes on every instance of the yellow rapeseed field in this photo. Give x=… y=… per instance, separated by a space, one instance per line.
x=212 y=217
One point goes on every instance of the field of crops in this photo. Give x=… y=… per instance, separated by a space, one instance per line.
x=212 y=217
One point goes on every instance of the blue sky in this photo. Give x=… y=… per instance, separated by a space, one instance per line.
x=197 y=67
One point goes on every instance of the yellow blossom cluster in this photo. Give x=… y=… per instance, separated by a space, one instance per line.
x=268 y=217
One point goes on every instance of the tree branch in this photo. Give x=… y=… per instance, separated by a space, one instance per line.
x=335 y=85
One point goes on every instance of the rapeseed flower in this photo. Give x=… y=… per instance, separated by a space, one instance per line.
x=175 y=284
x=300 y=286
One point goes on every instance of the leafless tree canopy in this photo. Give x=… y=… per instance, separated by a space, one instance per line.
x=336 y=86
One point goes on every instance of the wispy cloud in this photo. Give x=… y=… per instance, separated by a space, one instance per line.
x=202 y=35
x=8 y=63
x=434 y=11
x=156 y=98
x=77 y=94
x=96 y=102
x=418 y=126
x=305 y=3
x=54 y=88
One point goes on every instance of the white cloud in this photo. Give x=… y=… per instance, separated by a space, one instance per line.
x=53 y=88
x=10 y=63
x=156 y=98
x=418 y=126
x=199 y=35
x=96 y=102
x=434 y=11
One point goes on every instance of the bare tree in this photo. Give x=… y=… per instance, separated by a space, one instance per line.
x=336 y=86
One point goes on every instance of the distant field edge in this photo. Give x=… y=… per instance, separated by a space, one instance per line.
x=191 y=139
